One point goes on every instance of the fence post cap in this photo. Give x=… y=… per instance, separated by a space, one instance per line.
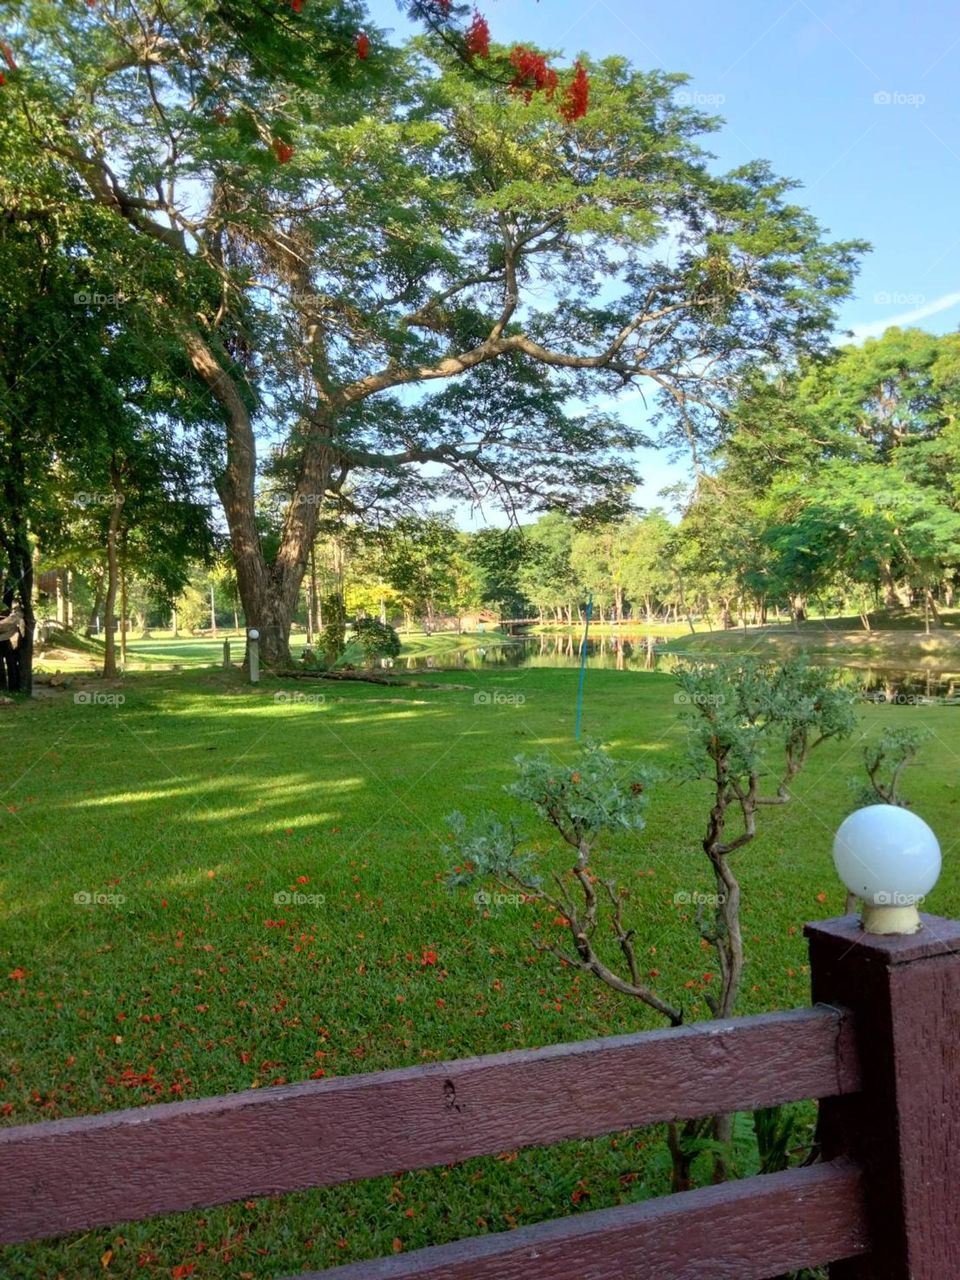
x=937 y=936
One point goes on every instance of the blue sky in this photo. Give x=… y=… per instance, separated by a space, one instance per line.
x=858 y=101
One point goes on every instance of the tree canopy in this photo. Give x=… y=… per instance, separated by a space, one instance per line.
x=383 y=259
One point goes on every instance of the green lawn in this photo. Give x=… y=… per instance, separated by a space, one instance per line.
x=894 y=641
x=72 y=654
x=198 y=799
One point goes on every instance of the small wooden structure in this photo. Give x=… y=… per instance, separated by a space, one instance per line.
x=878 y=1048
x=473 y=620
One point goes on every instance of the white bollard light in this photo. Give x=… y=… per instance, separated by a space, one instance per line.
x=891 y=859
x=253 y=650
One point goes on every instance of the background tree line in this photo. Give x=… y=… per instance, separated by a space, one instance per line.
x=838 y=489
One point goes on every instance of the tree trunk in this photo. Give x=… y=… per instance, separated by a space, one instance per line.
x=312 y=598
x=96 y=606
x=110 y=600
x=930 y=610
x=61 y=600
x=123 y=614
x=16 y=577
x=268 y=592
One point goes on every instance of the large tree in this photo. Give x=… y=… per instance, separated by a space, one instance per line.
x=325 y=222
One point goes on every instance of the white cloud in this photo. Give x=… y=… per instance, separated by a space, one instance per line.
x=906 y=318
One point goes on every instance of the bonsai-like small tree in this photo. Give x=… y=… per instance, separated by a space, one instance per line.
x=749 y=721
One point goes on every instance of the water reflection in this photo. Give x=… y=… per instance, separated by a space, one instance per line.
x=615 y=653
x=894 y=686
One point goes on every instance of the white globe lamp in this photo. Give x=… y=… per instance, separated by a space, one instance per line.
x=891 y=859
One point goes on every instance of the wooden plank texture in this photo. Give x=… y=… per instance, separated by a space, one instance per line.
x=748 y=1230
x=73 y=1174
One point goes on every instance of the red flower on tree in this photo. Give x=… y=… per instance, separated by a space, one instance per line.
x=532 y=73
x=477 y=39
x=363 y=45
x=577 y=96
x=282 y=150
x=296 y=5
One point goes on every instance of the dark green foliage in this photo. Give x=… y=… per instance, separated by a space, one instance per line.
x=376 y=639
x=334 y=627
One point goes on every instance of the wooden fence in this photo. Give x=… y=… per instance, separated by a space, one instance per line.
x=880 y=1049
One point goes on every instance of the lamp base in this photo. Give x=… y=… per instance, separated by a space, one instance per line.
x=877 y=919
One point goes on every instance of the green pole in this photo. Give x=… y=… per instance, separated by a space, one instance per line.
x=583 y=667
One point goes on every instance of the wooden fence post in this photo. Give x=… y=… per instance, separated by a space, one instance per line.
x=903 y=1128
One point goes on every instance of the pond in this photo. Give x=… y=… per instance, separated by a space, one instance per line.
x=897 y=686
x=617 y=653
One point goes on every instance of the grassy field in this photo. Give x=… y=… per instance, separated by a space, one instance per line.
x=894 y=641
x=74 y=655
x=198 y=799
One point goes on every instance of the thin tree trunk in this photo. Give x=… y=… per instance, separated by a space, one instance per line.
x=110 y=600
x=16 y=661
x=123 y=613
x=96 y=606
x=312 y=597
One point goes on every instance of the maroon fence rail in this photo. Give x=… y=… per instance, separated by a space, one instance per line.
x=879 y=1050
